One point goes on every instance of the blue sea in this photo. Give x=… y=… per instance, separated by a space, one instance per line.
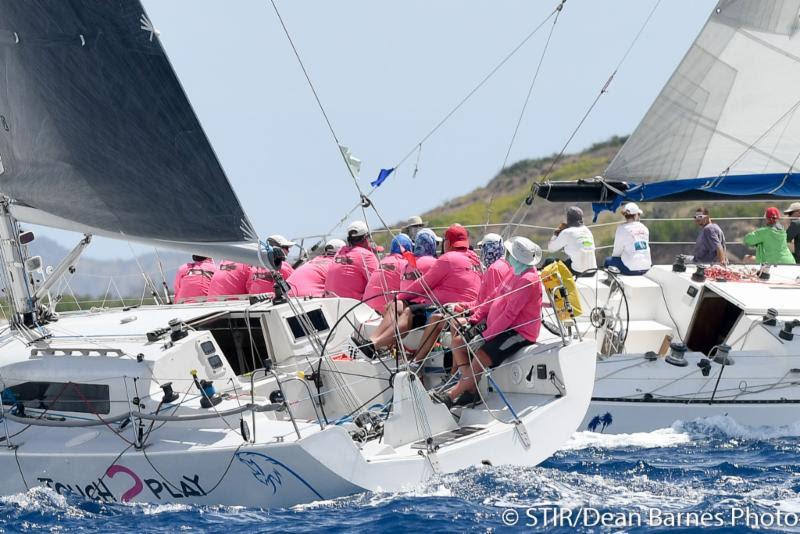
x=715 y=474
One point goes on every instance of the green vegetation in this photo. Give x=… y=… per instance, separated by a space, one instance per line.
x=509 y=189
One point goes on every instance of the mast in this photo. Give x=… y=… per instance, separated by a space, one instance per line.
x=19 y=292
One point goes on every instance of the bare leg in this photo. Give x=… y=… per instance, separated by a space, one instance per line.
x=388 y=321
x=429 y=336
x=388 y=338
x=469 y=373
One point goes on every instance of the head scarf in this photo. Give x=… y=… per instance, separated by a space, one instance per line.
x=425 y=244
x=518 y=266
x=491 y=251
x=401 y=243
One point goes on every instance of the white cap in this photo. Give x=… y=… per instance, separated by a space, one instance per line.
x=333 y=245
x=524 y=250
x=631 y=209
x=795 y=206
x=357 y=229
x=490 y=238
x=280 y=241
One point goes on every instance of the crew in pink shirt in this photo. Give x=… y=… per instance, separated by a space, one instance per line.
x=230 y=279
x=308 y=280
x=388 y=276
x=261 y=279
x=193 y=278
x=456 y=275
x=353 y=265
x=497 y=269
x=513 y=321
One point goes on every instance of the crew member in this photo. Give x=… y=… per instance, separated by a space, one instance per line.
x=418 y=264
x=770 y=241
x=793 y=232
x=387 y=278
x=455 y=277
x=512 y=322
x=277 y=240
x=413 y=226
x=229 y=279
x=193 y=278
x=577 y=241
x=261 y=279
x=353 y=265
x=710 y=244
x=308 y=280
x=631 y=254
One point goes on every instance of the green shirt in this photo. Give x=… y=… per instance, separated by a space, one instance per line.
x=771 y=246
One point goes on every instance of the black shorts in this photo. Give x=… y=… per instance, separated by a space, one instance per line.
x=504 y=345
x=420 y=313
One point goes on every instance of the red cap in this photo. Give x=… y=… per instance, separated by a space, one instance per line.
x=457 y=236
x=773 y=214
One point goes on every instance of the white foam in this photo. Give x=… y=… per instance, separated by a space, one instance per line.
x=665 y=437
x=730 y=428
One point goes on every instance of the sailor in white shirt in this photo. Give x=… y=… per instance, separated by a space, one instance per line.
x=577 y=242
x=631 y=253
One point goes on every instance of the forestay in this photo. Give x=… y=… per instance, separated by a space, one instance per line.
x=730 y=108
x=97 y=135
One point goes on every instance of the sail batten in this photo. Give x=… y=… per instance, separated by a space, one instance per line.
x=97 y=133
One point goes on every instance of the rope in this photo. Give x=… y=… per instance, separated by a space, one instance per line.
x=417 y=147
x=525 y=105
x=603 y=90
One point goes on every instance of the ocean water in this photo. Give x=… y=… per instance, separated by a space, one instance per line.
x=714 y=473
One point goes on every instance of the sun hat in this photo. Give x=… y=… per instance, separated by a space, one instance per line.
x=794 y=206
x=524 y=250
x=278 y=240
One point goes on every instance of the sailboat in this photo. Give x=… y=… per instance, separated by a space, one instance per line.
x=687 y=341
x=253 y=401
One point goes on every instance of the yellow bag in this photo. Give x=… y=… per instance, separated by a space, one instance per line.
x=557 y=274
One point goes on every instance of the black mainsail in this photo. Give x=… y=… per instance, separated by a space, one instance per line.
x=97 y=134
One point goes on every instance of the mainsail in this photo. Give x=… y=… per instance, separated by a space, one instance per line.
x=727 y=123
x=97 y=135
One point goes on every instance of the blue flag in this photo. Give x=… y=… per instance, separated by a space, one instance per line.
x=382 y=176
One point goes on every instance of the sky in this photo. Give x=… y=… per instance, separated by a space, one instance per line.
x=386 y=73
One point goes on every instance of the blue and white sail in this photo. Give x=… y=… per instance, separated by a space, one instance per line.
x=97 y=135
x=727 y=123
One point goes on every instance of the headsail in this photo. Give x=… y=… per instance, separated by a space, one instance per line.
x=727 y=123
x=96 y=133
x=731 y=107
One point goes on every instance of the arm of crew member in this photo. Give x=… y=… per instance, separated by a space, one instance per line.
x=514 y=303
x=618 y=246
x=556 y=243
x=428 y=281
x=753 y=238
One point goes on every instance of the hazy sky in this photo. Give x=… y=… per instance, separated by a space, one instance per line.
x=387 y=72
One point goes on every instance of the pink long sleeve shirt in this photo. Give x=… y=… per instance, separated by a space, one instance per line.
x=517 y=305
x=262 y=281
x=455 y=277
x=385 y=279
x=308 y=280
x=193 y=279
x=412 y=273
x=497 y=273
x=350 y=272
x=230 y=279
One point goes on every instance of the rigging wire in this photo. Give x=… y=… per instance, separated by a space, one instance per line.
x=524 y=108
x=528 y=202
x=316 y=95
x=418 y=145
